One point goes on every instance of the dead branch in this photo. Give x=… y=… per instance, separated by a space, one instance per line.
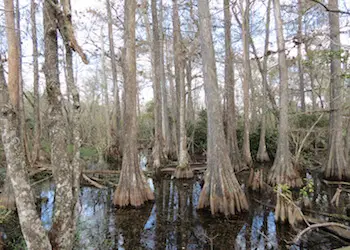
x=330 y=10
x=318 y=225
x=40 y=181
x=92 y=182
x=107 y=172
x=106 y=181
x=336 y=182
x=307 y=135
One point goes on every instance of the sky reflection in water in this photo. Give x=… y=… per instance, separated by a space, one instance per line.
x=175 y=224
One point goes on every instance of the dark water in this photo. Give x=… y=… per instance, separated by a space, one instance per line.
x=172 y=222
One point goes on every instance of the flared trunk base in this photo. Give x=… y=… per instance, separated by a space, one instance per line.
x=284 y=172
x=256 y=179
x=285 y=211
x=134 y=197
x=222 y=194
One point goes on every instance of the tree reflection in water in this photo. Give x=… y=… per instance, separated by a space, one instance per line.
x=173 y=222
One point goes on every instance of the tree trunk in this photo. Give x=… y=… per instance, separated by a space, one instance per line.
x=336 y=167
x=157 y=151
x=23 y=131
x=300 y=65
x=37 y=127
x=32 y=229
x=173 y=127
x=310 y=58
x=231 y=126
x=247 y=81
x=183 y=170
x=190 y=116
x=165 y=116
x=133 y=188
x=262 y=155
x=106 y=92
x=7 y=196
x=62 y=231
x=116 y=108
x=283 y=171
x=221 y=191
x=76 y=169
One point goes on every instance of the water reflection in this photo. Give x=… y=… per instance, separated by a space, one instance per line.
x=171 y=222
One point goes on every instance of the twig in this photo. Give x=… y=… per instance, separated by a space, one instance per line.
x=326 y=224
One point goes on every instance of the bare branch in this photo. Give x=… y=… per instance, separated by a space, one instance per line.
x=330 y=10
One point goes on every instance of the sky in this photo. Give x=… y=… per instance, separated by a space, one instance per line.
x=88 y=30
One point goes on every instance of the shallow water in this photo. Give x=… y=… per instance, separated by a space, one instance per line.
x=172 y=222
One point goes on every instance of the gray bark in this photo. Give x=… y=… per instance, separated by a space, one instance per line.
x=106 y=91
x=262 y=155
x=75 y=164
x=133 y=188
x=336 y=167
x=283 y=171
x=247 y=81
x=190 y=116
x=62 y=231
x=116 y=108
x=221 y=191
x=173 y=127
x=311 y=72
x=300 y=65
x=231 y=134
x=165 y=107
x=182 y=170
x=32 y=229
x=37 y=128
x=157 y=151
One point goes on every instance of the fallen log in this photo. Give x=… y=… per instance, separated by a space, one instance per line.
x=101 y=171
x=92 y=182
x=102 y=180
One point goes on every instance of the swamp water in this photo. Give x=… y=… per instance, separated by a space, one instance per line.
x=172 y=221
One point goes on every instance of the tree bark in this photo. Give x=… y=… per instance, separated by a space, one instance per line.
x=32 y=229
x=247 y=81
x=165 y=107
x=231 y=135
x=173 y=128
x=221 y=191
x=106 y=92
x=133 y=188
x=116 y=108
x=183 y=169
x=75 y=164
x=336 y=167
x=310 y=57
x=158 y=145
x=300 y=65
x=37 y=127
x=283 y=171
x=190 y=115
x=66 y=193
x=262 y=155
x=23 y=131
